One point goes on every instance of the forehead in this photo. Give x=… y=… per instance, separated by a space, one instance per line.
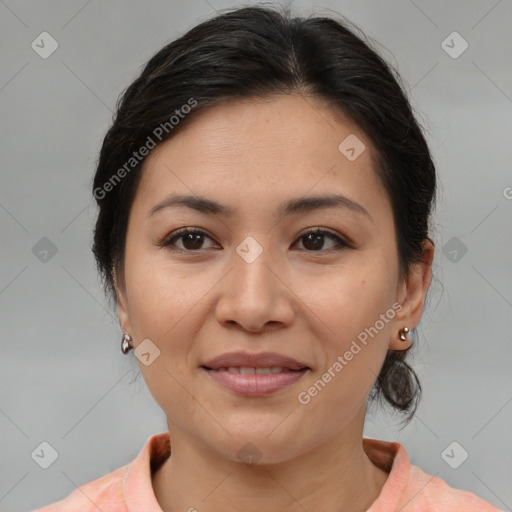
x=272 y=149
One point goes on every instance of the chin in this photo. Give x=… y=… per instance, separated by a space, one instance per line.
x=258 y=447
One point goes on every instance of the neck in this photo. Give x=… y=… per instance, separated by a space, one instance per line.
x=333 y=477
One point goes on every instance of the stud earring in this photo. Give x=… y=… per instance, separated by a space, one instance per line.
x=403 y=334
x=125 y=344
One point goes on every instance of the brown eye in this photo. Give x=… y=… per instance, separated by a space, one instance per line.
x=192 y=240
x=315 y=239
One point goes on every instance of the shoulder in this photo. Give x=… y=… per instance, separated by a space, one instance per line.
x=409 y=489
x=127 y=488
x=434 y=493
x=88 y=497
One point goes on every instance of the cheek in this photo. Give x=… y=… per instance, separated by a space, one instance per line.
x=355 y=313
x=352 y=300
x=161 y=293
x=352 y=352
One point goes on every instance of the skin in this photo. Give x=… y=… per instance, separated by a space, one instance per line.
x=308 y=304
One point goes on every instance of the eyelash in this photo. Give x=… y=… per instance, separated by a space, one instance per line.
x=168 y=241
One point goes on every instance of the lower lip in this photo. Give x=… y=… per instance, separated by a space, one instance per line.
x=255 y=384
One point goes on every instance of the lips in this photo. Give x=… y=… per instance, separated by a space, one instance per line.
x=254 y=375
x=246 y=361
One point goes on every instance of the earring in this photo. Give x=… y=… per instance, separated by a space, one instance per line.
x=125 y=344
x=403 y=334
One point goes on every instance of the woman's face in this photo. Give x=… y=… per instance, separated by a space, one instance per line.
x=256 y=282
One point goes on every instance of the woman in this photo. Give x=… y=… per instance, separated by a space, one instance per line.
x=264 y=201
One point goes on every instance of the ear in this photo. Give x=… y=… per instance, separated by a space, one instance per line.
x=411 y=295
x=122 y=303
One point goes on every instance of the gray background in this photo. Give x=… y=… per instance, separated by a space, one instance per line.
x=63 y=377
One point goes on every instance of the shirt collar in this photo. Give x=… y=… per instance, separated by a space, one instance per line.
x=137 y=485
x=138 y=491
x=391 y=458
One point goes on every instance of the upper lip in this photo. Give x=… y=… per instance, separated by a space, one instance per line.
x=248 y=360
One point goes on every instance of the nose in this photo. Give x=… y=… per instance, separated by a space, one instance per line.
x=254 y=295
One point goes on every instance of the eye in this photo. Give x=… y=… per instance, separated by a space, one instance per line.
x=192 y=239
x=314 y=240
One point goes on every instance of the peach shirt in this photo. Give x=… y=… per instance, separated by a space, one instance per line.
x=407 y=489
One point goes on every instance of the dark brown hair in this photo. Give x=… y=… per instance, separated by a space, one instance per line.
x=258 y=52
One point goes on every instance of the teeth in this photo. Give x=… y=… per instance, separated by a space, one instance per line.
x=258 y=371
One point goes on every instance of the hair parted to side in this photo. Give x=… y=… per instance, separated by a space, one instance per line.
x=257 y=52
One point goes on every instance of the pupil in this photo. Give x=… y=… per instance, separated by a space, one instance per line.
x=317 y=238
x=191 y=236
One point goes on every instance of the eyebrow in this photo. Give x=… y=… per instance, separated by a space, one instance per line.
x=294 y=206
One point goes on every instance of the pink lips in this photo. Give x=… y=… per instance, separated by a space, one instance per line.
x=280 y=372
x=255 y=385
x=261 y=360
